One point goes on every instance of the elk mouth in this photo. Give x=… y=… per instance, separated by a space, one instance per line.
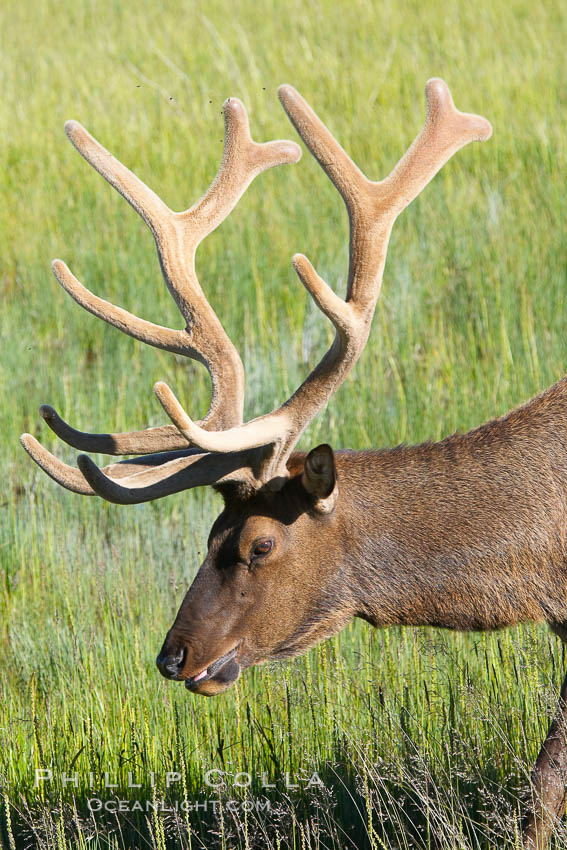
x=220 y=673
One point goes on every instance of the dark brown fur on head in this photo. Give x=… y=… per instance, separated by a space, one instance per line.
x=273 y=603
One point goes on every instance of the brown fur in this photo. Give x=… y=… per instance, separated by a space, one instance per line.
x=467 y=533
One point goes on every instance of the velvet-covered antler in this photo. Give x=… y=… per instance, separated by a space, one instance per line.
x=177 y=237
x=256 y=451
x=372 y=209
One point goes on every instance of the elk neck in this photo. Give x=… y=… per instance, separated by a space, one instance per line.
x=466 y=533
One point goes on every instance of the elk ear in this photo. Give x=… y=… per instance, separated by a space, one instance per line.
x=320 y=478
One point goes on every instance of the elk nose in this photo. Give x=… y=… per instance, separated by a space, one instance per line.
x=169 y=664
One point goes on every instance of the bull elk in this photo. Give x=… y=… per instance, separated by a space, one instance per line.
x=466 y=533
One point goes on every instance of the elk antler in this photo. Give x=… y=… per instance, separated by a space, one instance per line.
x=372 y=209
x=177 y=237
x=256 y=451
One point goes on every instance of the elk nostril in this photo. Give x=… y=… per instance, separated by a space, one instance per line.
x=169 y=664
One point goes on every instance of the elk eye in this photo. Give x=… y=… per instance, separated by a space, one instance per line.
x=262 y=548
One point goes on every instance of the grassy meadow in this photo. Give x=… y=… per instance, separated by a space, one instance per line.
x=420 y=738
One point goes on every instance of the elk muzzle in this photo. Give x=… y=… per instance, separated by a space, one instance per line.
x=204 y=671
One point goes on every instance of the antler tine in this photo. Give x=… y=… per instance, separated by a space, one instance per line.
x=257 y=432
x=133 y=442
x=72 y=479
x=159 y=336
x=132 y=474
x=446 y=130
x=69 y=477
x=171 y=477
x=143 y=199
x=177 y=236
x=243 y=159
x=372 y=208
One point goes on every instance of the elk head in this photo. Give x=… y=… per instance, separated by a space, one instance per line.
x=269 y=586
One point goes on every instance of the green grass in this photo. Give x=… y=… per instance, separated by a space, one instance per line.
x=421 y=738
